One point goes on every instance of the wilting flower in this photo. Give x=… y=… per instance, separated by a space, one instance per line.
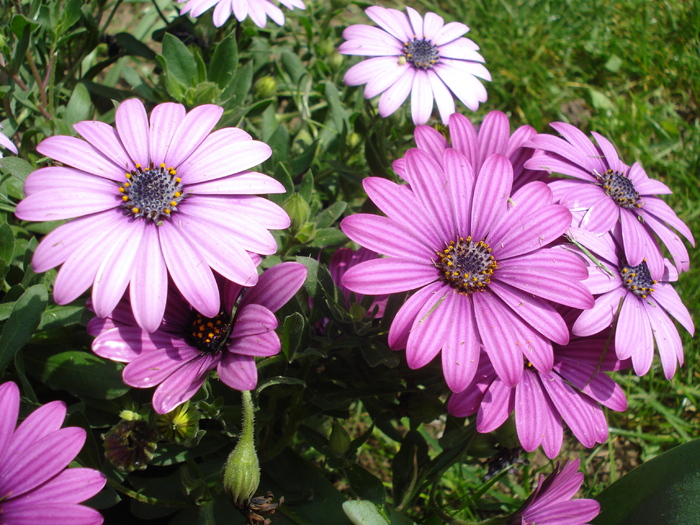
x=608 y=191
x=152 y=200
x=424 y=57
x=570 y=393
x=345 y=258
x=257 y=10
x=180 y=354
x=5 y=142
x=551 y=503
x=644 y=305
x=493 y=136
x=130 y=444
x=479 y=261
x=35 y=486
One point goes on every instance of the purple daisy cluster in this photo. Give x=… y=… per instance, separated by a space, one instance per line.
x=169 y=232
x=529 y=287
x=35 y=485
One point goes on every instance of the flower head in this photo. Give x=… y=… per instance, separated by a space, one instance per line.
x=492 y=136
x=152 y=199
x=644 y=305
x=35 y=486
x=257 y=10
x=551 y=502
x=572 y=393
x=609 y=191
x=478 y=260
x=178 y=357
x=421 y=56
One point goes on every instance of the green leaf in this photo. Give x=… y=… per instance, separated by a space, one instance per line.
x=329 y=237
x=339 y=114
x=7 y=243
x=80 y=373
x=79 y=106
x=292 y=333
x=23 y=320
x=179 y=61
x=331 y=214
x=224 y=62
x=293 y=65
x=17 y=167
x=70 y=14
x=132 y=46
x=662 y=491
x=302 y=162
x=366 y=485
x=306 y=187
x=57 y=316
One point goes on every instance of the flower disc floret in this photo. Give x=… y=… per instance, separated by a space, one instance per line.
x=637 y=280
x=422 y=53
x=465 y=265
x=152 y=193
x=620 y=189
x=209 y=335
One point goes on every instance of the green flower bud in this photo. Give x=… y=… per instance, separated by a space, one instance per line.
x=335 y=61
x=339 y=439
x=298 y=210
x=265 y=87
x=354 y=139
x=242 y=470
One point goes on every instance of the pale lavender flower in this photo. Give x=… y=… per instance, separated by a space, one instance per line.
x=257 y=10
x=644 y=305
x=345 y=258
x=570 y=393
x=5 y=142
x=421 y=56
x=152 y=200
x=35 y=486
x=479 y=260
x=609 y=191
x=492 y=136
x=551 y=502
x=178 y=357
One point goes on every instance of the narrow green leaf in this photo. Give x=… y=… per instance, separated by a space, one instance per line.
x=292 y=333
x=293 y=65
x=25 y=317
x=7 y=243
x=331 y=214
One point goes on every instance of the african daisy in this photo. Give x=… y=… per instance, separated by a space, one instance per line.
x=257 y=10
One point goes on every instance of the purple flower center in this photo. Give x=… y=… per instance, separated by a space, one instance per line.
x=620 y=189
x=466 y=265
x=153 y=193
x=209 y=335
x=421 y=53
x=637 y=280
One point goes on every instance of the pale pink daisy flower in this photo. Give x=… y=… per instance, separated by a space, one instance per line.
x=644 y=305
x=5 y=142
x=609 y=191
x=178 y=357
x=477 y=144
x=551 y=503
x=479 y=260
x=152 y=199
x=572 y=393
x=35 y=485
x=257 y=10
x=421 y=56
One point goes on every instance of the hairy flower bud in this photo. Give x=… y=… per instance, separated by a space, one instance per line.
x=242 y=471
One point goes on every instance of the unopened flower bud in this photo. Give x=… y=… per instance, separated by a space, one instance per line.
x=242 y=470
x=265 y=87
x=298 y=210
x=339 y=439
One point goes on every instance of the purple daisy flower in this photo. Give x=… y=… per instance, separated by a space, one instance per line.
x=180 y=354
x=610 y=191
x=570 y=393
x=35 y=486
x=644 y=305
x=421 y=56
x=257 y=10
x=493 y=136
x=152 y=199
x=345 y=258
x=479 y=260
x=551 y=503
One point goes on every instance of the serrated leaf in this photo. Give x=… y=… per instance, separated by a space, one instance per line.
x=24 y=318
x=80 y=373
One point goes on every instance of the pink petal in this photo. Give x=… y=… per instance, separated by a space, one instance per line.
x=276 y=286
x=105 y=139
x=421 y=98
x=9 y=401
x=244 y=183
x=238 y=371
x=384 y=276
x=601 y=315
x=66 y=203
x=183 y=383
x=149 y=282
x=429 y=331
x=495 y=408
x=79 y=154
x=132 y=124
x=193 y=129
x=395 y=95
x=165 y=120
x=460 y=352
x=73 y=485
x=405 y=317
x=491 y=192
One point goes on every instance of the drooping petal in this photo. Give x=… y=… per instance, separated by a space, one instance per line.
x=238 y=371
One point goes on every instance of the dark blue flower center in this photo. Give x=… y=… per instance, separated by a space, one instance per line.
x=620 y=189
x=637 y=280
x=421 y=53
x=153 y=193
x=208 y=335
x=466 y=265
